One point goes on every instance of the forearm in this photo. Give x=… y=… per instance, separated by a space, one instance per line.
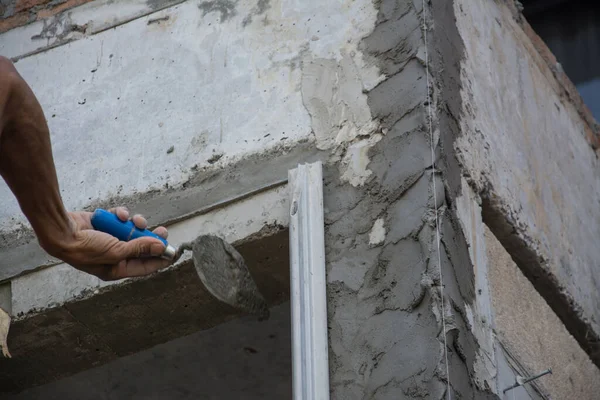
x=26 y=161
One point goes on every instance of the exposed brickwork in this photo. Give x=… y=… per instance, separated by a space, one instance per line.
x=15 y=13
x=14 y=21
x=23 y=5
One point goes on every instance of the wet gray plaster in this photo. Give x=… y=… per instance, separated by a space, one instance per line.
x=445 y=69
x=384 y=309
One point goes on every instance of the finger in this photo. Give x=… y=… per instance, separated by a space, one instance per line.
x=140 y=221
x=135 y=268
x=141 y=247
x=162 y=232
x=121 y=212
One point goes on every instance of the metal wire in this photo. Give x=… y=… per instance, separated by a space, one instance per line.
x=437 y=223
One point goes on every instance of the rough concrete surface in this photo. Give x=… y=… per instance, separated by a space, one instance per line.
x=125 y=319
x=526 y=325
x=524 y=149
x=385 y=309
x=240 y=359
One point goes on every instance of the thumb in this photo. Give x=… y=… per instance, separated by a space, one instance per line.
x=141 y=247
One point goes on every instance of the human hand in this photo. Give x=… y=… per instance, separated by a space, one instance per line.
x=105 y=256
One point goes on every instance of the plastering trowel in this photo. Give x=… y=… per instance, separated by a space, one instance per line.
x=219 y=265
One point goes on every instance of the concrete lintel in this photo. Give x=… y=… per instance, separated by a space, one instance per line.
x=205 y=191
x=53 y=286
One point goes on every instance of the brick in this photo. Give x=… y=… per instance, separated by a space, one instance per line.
x=48 y=12
x=14 y=21
x=27 y=4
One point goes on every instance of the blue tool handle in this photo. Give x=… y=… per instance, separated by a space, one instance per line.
x=107 y=222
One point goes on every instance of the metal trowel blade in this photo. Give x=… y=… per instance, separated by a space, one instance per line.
x=225 y=275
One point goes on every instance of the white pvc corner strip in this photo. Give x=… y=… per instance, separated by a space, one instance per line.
x=310 y=361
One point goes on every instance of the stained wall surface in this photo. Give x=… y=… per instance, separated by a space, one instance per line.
x=525 y=145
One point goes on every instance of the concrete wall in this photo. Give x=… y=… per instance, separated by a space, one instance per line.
x=400 y=306
x=386 y=300
x=203 y=77
x=205 y=101
x=525 y=149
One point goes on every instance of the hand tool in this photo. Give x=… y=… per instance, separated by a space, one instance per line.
x=219 y=265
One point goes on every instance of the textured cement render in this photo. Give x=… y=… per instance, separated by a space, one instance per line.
x=531 y=331
x=385 y=306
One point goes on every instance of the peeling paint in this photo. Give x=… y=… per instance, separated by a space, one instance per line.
x=59 y=28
